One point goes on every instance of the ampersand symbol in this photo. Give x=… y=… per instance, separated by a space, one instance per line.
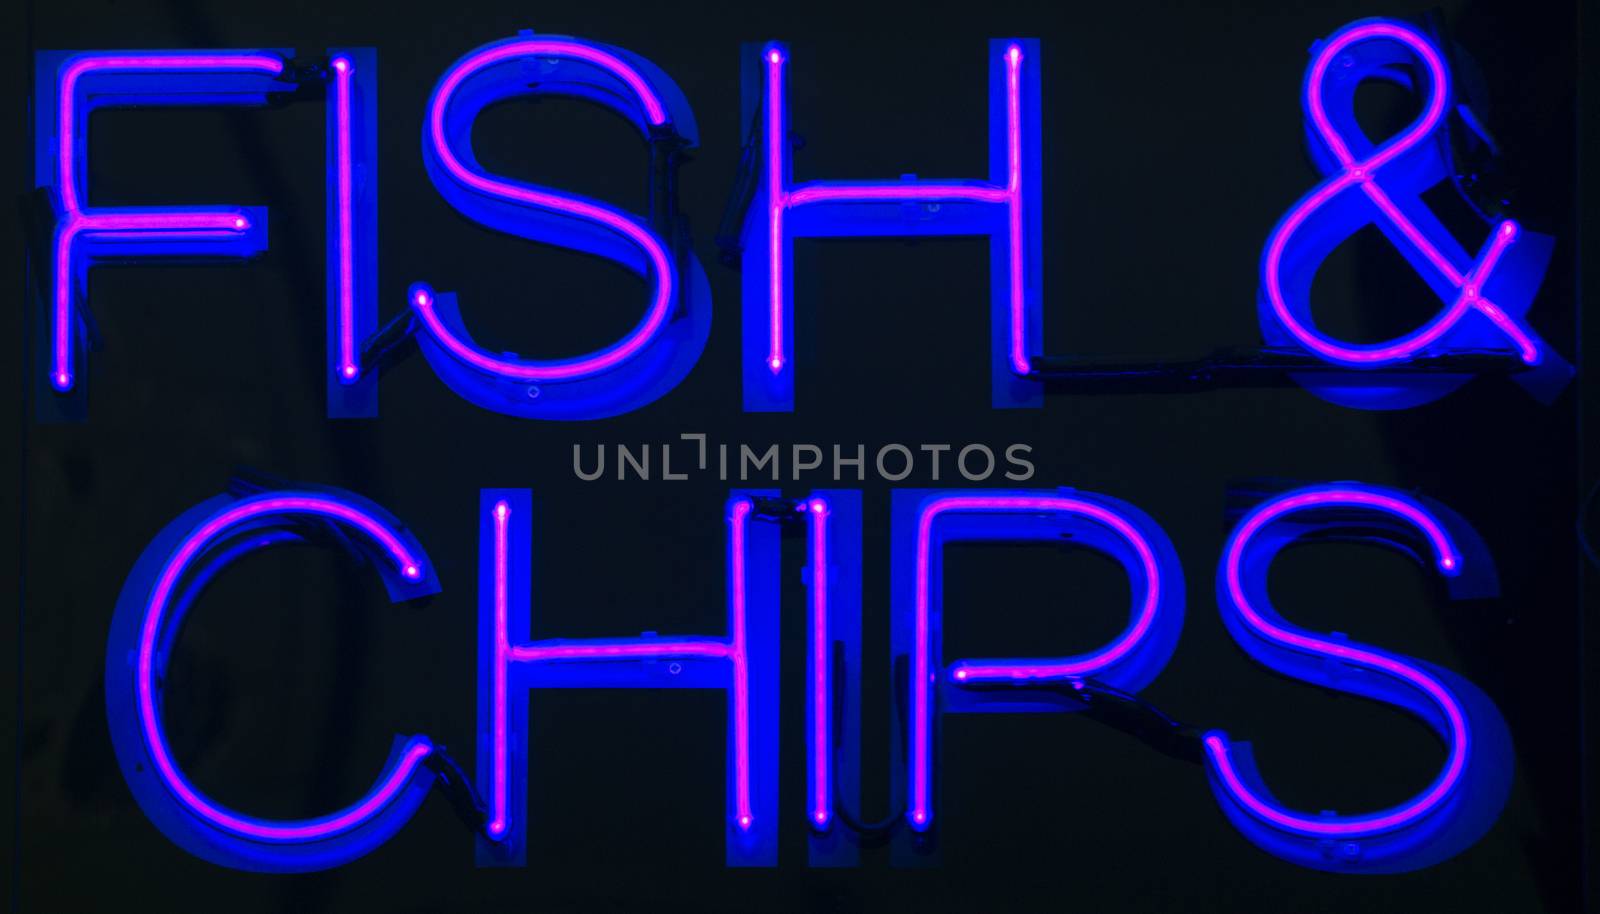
x=1381 y=184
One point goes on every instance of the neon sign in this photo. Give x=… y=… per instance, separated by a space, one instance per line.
x=158 y=593
x=1004 y=208
x=1447 y=817
x=743 y=663
x=1467 y=794
x=353 y=217
x=661 y=349
x=1486 y=298
x=833 y=690
x=1106 y=525
x=71 y=86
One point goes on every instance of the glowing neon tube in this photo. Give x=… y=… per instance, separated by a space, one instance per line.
x=655 y=250
x=731 y=649
x=349 y=364
x=821 y=667
x=738 y=523
x=247 y=511
x=75 y=219
x=776 y=195
x=920 y=813
x=1363 y=173
x=1456 y=731
x=781 y=198
x=498 y=791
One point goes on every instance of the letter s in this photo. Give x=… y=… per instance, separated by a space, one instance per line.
x=1024 y=466
x=1466 y=796
x=658 y=352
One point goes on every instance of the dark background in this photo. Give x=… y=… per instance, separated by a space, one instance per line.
x=1172 y=144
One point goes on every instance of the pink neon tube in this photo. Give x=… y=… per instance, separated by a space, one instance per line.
x=388 y=785
x=498 y=818
x=821 y=669
x=741 y=670
x=1458 y=735
x=74 y=220
x=732 y=650
x=1084 y=665
x=1019 y=326
x=777 y=263
x=662 y=267
x=349 y=367
x=1361 y=173
x=781 y=198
